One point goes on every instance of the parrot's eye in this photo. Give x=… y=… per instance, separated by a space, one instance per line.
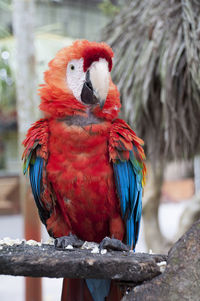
x=72 y=67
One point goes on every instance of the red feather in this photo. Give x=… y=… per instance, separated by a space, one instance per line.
x=94 y=51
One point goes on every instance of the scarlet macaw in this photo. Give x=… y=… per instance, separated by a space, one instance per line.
x=86 y=166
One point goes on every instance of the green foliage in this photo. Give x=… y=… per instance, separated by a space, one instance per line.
x=7 y=84
x=5 y=8
x=108 y=8
x=4 y=33
x=5 y=5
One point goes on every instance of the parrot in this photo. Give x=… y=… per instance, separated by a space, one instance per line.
x=86 y=165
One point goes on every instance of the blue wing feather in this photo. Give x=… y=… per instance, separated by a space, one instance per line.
x=129 y=188
x=35 y=174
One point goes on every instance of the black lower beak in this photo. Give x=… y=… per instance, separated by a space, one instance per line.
x=87 y=93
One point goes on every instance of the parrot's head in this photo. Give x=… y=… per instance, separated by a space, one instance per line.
x=78 y=81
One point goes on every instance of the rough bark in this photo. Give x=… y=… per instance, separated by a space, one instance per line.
x=181 y=278
x=46 y=261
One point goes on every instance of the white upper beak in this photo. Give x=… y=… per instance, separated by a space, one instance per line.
x=99 y=76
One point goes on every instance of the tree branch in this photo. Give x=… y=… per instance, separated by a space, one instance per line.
x=46 y=261
x=181 y=278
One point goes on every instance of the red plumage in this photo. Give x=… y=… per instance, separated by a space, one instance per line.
x=79 y=194
x=94 y=53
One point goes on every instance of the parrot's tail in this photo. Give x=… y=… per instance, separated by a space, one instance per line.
x=90 y=290
x=99 y=288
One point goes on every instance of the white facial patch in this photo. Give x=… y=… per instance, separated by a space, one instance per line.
x=75 y=77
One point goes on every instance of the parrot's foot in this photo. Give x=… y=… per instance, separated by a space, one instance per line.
x=64 y=241
x=113 y=244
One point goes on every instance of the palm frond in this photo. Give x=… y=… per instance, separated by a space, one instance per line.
x=157 y=70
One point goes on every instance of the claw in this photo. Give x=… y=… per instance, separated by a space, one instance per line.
x=63 y=241
x=113 y=244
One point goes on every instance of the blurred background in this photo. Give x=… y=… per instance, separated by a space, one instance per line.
x=156 y=68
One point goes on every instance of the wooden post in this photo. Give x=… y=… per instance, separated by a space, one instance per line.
x=27 y=111
x=32 y=230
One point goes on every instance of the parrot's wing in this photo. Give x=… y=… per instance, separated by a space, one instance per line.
x=35 y=158
x=127 y=155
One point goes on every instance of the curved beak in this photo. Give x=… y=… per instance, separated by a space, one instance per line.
x=96 y=85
